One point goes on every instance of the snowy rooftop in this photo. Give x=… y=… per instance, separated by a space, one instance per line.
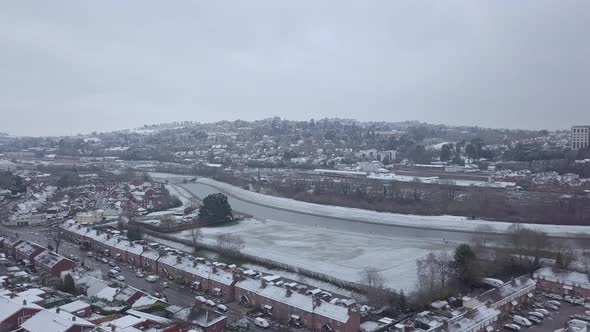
x=75 y=306
x=27 y=248
x=47 y=320
x=296 y=300
x=508 y=289
x=202 y=270
x=471 y=319
x=9 y=307
x=49 y=258
x=570 y=278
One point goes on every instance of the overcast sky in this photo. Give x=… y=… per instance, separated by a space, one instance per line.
x=78 y=66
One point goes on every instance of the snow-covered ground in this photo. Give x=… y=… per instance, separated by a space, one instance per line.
x=181 y=193
x=444 y=222
x=337 y=253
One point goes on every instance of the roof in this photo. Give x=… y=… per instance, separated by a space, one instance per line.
x=149 y=317
x=200 y=316
x=570 y=278
x=49 y=259
x=27 y=248
x=472 y=318
x=75 y=306
x=296 y=300
x=126 y=321
x=9 y=307
x=48 y=320
x=107 y=293
x=201 y=269
x=508 y=289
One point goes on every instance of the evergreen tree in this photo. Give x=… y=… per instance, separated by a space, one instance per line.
x=69 y=286
x=215 y=209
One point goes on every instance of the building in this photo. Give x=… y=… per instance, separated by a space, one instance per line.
x=288 y=306
x=482 y=318
x=506 y=297
x=78 y=308
x=27 y=251
x=9 y=245
x=381 y=156
x=563 y=282
x=52 y=263
x=56 y=320
x=202 y=318
x=580 y=137
x=13 y=313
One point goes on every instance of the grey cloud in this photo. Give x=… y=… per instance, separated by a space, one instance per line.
x=72 y=66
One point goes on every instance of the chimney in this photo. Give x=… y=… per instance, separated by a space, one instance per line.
x=194 y=263
x=73 y=318
x=57 y=310
x=24 y=302
x=288 y=292
x=12 y=295
x=113 y=328
x=262 y=283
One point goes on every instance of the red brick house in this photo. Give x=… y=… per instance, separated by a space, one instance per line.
x=287 y=306
x=149 y=260
x=508 y=296
x=10 y=244
x=27 y=251
x=203 y=319
x=56 y=320
x=13 y=314
x=52 y=263
x=563 y=282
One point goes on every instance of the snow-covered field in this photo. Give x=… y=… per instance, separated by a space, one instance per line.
x=445 y=222
x=338 y=253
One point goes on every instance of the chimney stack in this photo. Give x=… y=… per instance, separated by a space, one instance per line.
x=57 y=310
x=73 y=318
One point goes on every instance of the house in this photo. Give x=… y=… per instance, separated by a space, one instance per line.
x=128 y=295
x=14 y=313
x=479 y=319
x=77 y=308
x=9 y=246
x=52 y=263
x=149 y=260
x=291 y=307
x=506 y=297
x=56 y=320
x=202 y=318
x=563 y=282
x=27 y=251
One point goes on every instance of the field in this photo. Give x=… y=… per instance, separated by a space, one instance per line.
x=341 y=254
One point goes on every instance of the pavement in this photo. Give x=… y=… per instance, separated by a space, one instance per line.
x=177 y=295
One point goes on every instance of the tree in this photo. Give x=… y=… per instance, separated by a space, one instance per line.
x=229 y=243
x=464 y=265
x=403 y=301
x=68 y=180
x=375 y=291
x=215 y=209
x=196 y=236
x=134 y=231
x=446 y=152
x=55 y=237
x=69 y=285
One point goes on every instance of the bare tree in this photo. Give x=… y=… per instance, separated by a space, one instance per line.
x=482 y=236
x=196 y=236
x=55 y=237
x=374 y=282
x=229 y=243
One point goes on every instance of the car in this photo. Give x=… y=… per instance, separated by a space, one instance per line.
x=112 y=263
x=104 y=260
x=222 y=307
x=97 y=258
x=512 y=327
x=551 y=306
x=121 y=278
x=165 y=284
x=157 y=295
x=118 y=268
x=534 y=319
x=210 y=303
x=521 y=321
x=536 y=314
x=545 y=312
x=139 y=274
x=555 y=303
x=151 y=278
x=554 y=296
x=200 y=299
x=89 y=254
x=74 y=258
x=261 y=322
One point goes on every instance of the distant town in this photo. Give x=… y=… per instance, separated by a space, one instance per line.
x=321 y=225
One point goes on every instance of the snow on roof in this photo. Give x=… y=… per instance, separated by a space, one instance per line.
x=9 y=307
x=150 y=317
x=201 y=270
x=125 y=321
x=570 y=278
x=27 y=248
x=46 y=320
x=48 y=258
x=510 y=288
x=75 y=306
x=471 y=320
x=107 y=293
x=296 y=300
x=145 y=301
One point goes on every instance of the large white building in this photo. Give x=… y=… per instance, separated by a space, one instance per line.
x=580 y=136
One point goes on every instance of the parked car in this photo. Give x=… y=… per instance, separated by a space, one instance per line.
x=200 y=299
x=545 y=312
x=534 y=319
x=554 y=296
x=151 y=278
x=521 y=321
x=118 y=268
x=121 y=278
x=555 y=303
x=210 y=303
x=536 y=314
x=112 y=263
x=139 y=274
x=551 y=306
x=89 y=254
x=261 y=322
x=222 y=307
x=104 y=260
x=165 y=284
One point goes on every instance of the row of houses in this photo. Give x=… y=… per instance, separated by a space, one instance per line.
x=34 y=255
x=285 y=302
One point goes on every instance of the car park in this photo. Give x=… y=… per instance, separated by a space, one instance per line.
x=261 y=322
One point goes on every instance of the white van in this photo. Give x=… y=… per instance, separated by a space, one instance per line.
x=522 y=321
x=492 y=282
x=261 y=322
x=113 y=273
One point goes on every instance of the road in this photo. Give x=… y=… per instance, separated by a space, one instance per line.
x=177 y=295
